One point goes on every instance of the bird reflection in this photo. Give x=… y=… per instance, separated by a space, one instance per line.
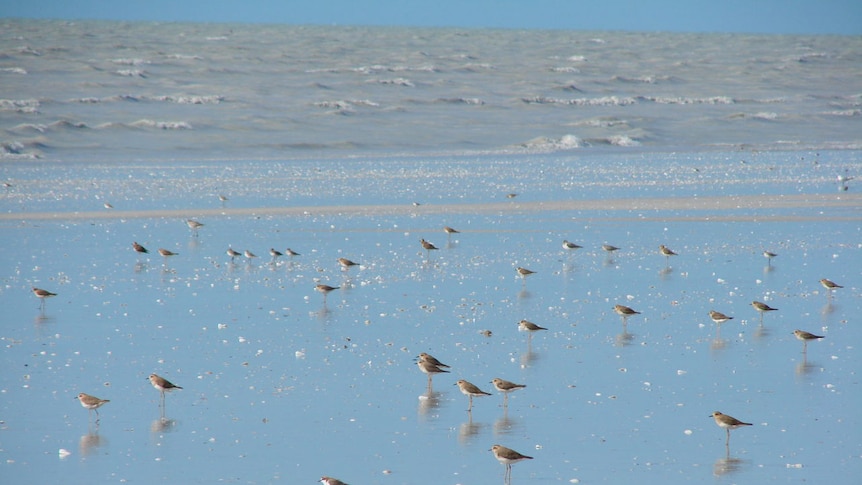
x=718 y=343
x=827 y=309
x=805 y=367
x=140 y=267
x=529 y=357
x=524 y=294
x=665 y=272
x=504 y=425
x=163 y=424
x=762 y=332
x=623 y=339
x=90 y=441
x=726 y=465
x=428 y=403
x=469 y=430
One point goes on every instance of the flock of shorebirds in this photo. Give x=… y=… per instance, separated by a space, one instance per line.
x=430 y=365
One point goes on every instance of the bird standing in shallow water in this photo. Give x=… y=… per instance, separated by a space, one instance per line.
x=91 y=403
x=469 y=389
x=162 y=385
x=728 y=423
x=508 y=456
x=625 y=312
x=762 y=308
x=41 y=295
x=805 y=337
x=506 y=387
x=139 y=249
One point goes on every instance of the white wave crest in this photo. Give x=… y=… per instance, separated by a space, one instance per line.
x=129 y=62
x=20 y=105
x=547 y=144
x=14 y=70
x=210 y=99
x=132 y=73
x=163 y=125
x=603 y=101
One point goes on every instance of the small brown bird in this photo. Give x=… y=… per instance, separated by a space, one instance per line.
x=428 y=246
x=291 y=252
x=507 y=457
x=666 y=252
x=506 y=387
x=162 y=385
x=346 y=263
x=762 y=308
x=608 y=248
x=805 y=337
x=430 y=369
x=232 y=253
x=469 y=389
x=41 y=295
x=325 y=289
x=570 y=245
x=275 y=254
x=194 y=225
x=166 y=252
x=769 y=255
x=425 y=357
x=448 y=230
x=530 y=327
x=625 y=312
x=524 y=272
x=137 y=247
x=728 y=423
x=91 y=403
x=719 y=317
x=331 y=481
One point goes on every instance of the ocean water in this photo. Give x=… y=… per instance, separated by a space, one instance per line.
x=357 y=143
x=109 y=91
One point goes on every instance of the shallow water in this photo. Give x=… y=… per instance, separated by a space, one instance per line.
x=280 y=386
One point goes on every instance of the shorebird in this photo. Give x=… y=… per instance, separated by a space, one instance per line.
x=769 y=255
x=275 y=254
x=194 y=225
x=570 y=245
x=428 y=247
x=719 y=317
x=667 y=253
x=805 y=337
x=506 y=387
x=469 y=389
x=728 y=423
x=529 y=327
x=449 y=231
x=291 y=252
x=762 y=308
x=609 y=249
x=233 y=254
x=331 y=481
x=524 y=272
x=425 y=357
x=162 y=385
x=138 y=248
x=346 y=263
x=829 y=285
x=625 y=312
x=167 y=253
x=91 y=403
x=41 y=295
x=249 y=255
x=430 y=369
x=507 y=457
x=325 y=289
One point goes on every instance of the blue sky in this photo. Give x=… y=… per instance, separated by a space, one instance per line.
x=756 y=16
